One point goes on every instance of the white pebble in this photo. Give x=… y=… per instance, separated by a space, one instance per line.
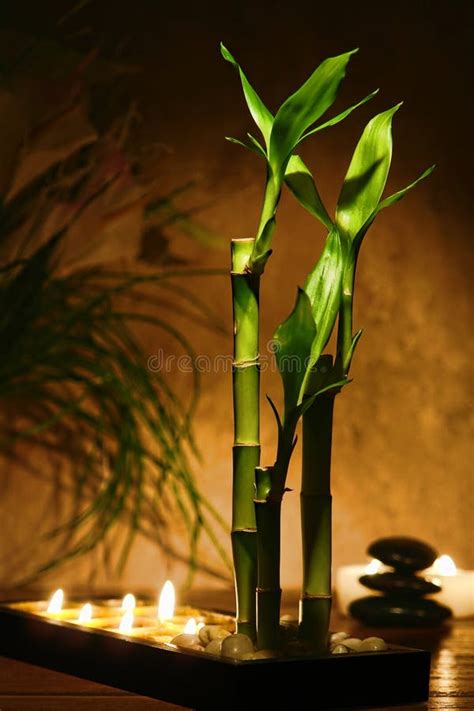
x=210 y=632
x=353 y=643
x=373 y=644
x=339 y=649
x=187 y=641
x=236 y=645
x=214 y=647
x=339 y=637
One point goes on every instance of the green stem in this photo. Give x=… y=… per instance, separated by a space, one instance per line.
x=262 y=245
x=344 y=333
x=286 y=443
x=268 y=516
x=246 y=450
x=270 y=201
x=316 y=504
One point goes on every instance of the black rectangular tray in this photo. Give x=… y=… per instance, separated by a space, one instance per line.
x=199 y=681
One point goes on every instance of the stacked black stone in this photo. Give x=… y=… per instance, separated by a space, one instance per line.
x=403 y=601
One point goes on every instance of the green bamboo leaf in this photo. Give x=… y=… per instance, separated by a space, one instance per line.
x=325 y=276
x=250 y=147
x=367 y=174
x=340 y=117
x=392 y=199
x=387 y=202
x=277 y=416
x=350 y=354
x=257 y=145
x=294 y=338
x=301 y=183
x=308 y=401
x=304 y=107
x=259 y=112
x=323 y=288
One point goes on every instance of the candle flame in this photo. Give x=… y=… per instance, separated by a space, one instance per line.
x=444 y=565
x=129 y=602
x=85 y=614
x=373 y=567
x=126 y=623
x=56 y=602
x=190 y=627
x=167 y=602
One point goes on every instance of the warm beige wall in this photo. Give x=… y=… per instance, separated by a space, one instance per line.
x=402 y=452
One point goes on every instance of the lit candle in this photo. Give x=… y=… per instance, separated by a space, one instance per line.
x=167 y=601
x=126 y=623
x=457 y=586
x=129 y=602
x=348 y=587
x=56 y=610
x=132 y=618
x=190 y=627
x=56 y=602
x=85 y=615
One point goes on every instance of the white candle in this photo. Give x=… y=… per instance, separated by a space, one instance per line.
x=56 y=603
x=167 y=601
x=126 y=623
x=129 y=602
x=348 y=587
x=457 y=586
x=85 y=615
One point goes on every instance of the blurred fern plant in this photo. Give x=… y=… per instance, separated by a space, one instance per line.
x=74 y=379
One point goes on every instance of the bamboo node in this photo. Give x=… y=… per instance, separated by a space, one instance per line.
x=244 y=530
x=248 y=363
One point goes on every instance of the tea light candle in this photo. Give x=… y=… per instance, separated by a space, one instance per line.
x=348 y=587
x=132 y=617
x=457 y=586
x=190 y=627
x=126 y=623
x=167 y=601
x=129 y=602
x=85 y=614
x=56 y=603
x=56 y=609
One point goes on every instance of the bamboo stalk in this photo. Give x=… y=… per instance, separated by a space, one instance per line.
x=268 y=515
x=316 y=508
x=344 y=332
x=246 y=449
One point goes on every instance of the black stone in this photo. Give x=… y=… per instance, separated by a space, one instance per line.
x=403 y=554
x=397 y=585
x=388 y=612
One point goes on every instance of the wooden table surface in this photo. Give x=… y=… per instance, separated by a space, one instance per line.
x=24 y=687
